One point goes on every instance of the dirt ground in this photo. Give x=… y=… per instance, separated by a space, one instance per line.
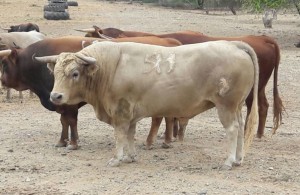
x=30 y=164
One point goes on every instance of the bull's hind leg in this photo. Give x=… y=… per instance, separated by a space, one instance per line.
x=230 y=123
x=240 y=140
x=182 y=126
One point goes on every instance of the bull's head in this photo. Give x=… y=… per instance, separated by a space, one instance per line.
x=10 y=72
x=71 y=76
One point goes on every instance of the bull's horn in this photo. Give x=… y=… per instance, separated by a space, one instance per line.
x=87 y=59
x=86 y=30
x=5 y=52
x=47 y=59
x=103 y=36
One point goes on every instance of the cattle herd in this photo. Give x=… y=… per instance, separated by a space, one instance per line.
x=127 y=76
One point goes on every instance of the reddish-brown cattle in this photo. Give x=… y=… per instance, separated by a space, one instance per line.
x=111 y=33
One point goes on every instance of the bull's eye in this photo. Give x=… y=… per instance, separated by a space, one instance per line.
x=75 y=74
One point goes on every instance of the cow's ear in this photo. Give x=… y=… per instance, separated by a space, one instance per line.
x=51 y=66
x=91 y=68
x=14 y=53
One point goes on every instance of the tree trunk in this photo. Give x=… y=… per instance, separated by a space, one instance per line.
x=297 y=6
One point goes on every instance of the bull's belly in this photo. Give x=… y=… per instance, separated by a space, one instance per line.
x=176 y=109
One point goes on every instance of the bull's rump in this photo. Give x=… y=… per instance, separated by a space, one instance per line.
x=202 y=76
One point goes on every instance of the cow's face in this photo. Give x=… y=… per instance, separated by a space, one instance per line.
x=72 y=74
x=10 y=71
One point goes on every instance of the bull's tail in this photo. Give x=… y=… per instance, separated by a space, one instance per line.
x=252 y=121
x=278 y=107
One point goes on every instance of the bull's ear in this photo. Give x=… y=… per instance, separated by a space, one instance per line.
x=14 y=53
x=51 y=66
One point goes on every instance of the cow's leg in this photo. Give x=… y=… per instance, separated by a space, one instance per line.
x=31 y=94
x=168 y=132
x=121 y=133
x=8 y=94
x=240 y=140
x=182 y=126
x=64 y=132
x=175 y=127
x=131 y=155
x=72 y=119
x=263 y=107
x=20 y=95
x=262 y=112
x=156 y=121
x=230 y=123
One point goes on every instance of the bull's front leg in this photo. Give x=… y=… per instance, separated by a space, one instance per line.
x=121 y=137
x=131 y=155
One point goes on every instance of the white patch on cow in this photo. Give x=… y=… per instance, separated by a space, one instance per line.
x=156 y=61
x=171 y=60
x=223 y=87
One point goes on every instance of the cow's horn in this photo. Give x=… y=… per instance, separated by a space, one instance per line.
x=86 y=30
x=5 y=52
x=103 y=36
x=88 y=60
x=47 y=59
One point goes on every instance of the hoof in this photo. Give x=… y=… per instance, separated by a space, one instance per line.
x=113 y=162
x=129 y=159
x=148 y=147
x=61 y=144
x=225 y=168
x=72 y=147
x=166 y=146
x=237 y=164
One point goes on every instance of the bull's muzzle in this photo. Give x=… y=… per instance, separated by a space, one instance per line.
x=56 y=98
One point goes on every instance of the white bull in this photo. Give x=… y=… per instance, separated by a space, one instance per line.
x=126 y=82
x=19 y=40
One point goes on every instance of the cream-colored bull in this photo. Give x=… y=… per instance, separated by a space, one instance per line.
x=126 y=82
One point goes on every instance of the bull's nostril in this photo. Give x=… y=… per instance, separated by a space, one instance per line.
x=59 y=97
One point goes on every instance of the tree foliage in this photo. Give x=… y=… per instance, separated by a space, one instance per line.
x=260 y=5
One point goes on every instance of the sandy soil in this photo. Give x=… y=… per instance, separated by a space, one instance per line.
x=30 y=164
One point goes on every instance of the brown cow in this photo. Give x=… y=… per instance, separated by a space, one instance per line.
x=111 y=33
